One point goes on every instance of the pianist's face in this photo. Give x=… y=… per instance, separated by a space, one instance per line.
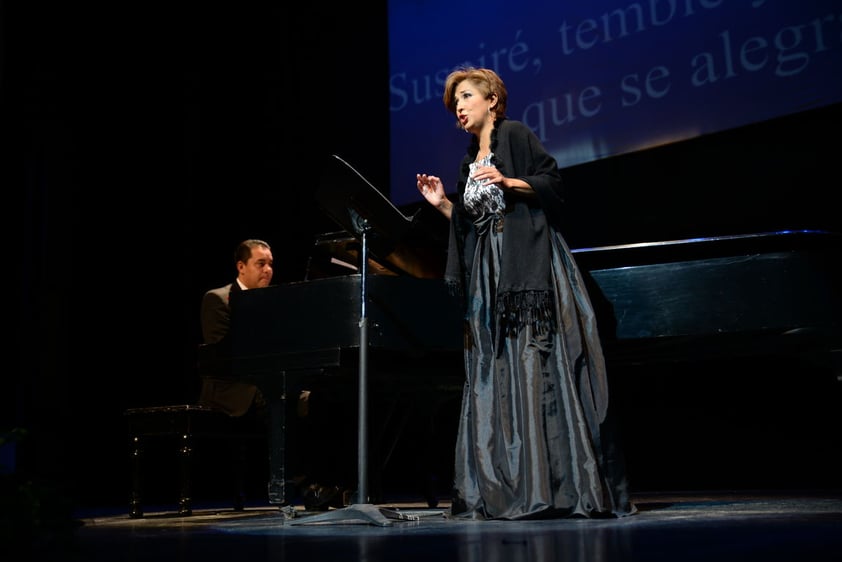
x=257 y=272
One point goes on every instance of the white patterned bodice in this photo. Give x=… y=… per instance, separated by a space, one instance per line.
x=483 y=198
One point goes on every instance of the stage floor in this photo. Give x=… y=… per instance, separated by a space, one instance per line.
x=686 y=526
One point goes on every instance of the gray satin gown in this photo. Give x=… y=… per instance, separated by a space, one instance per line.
x=531 y=442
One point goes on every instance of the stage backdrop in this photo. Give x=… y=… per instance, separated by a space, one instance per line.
x=602 y=78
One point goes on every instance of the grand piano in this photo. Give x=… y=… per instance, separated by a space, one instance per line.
x=770 y=295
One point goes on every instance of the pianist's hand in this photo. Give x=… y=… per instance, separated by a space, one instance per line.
x=432 y=189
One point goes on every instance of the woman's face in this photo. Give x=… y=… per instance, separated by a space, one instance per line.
x=472 y=109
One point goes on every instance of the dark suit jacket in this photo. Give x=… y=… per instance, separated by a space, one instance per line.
x=219 y=389
x=216 y=313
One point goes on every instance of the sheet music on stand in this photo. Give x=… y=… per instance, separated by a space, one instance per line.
x=353 y=202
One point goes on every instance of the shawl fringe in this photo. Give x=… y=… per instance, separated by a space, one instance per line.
x=454 y=288
x=515 y=310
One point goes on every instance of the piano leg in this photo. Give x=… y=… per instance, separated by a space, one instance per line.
x=274 y=390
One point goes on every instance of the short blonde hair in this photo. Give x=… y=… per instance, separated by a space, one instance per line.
x=486 y=80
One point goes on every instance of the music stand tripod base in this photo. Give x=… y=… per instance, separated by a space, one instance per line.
x=364 y=513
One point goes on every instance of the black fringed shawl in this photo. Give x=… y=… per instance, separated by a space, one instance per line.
x=524 y=290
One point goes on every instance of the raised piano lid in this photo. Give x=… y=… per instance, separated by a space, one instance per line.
x=395 y=245
x=338 y=253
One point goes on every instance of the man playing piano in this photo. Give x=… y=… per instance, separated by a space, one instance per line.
x=254 y=263
x=253 y=260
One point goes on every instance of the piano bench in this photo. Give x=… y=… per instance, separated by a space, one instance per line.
x=187 y=426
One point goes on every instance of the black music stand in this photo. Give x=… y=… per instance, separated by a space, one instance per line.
x=349 y=199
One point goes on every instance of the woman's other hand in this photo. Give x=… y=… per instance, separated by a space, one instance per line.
x=432 y=189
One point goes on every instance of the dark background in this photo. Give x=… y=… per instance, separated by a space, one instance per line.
x=142 y=144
